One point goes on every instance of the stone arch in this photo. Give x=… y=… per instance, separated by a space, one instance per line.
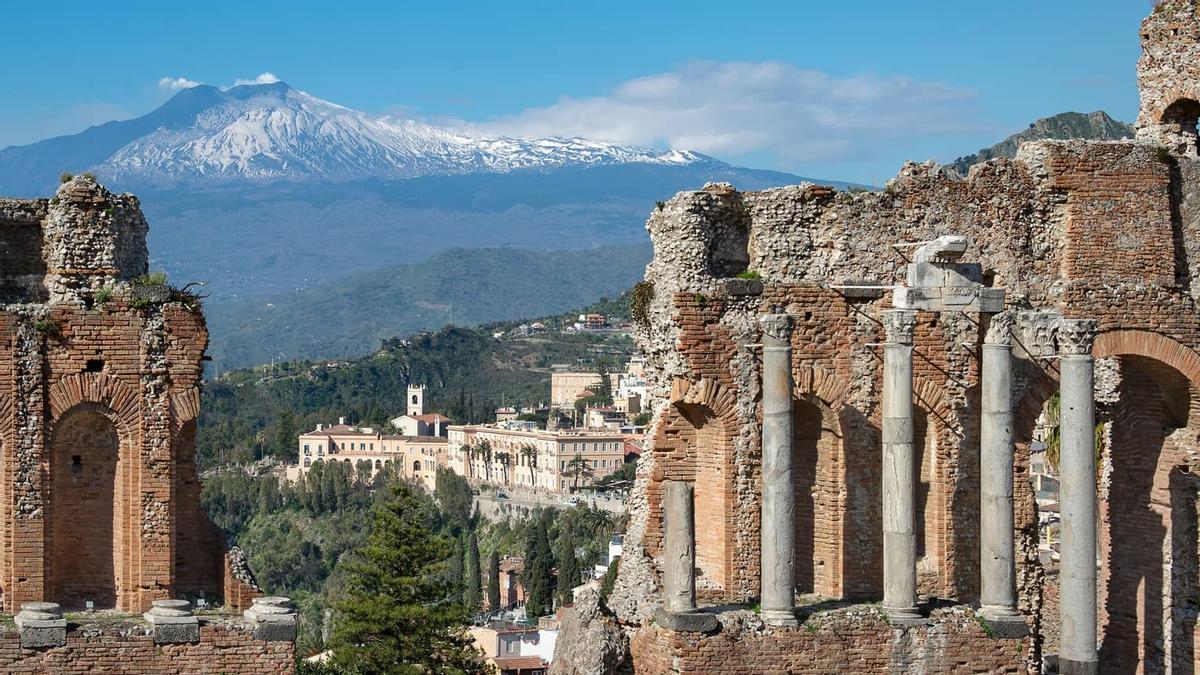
x=1177 y=122
x=1148 y=507
x=416 y=466
x=694 y=442
x=819 y=479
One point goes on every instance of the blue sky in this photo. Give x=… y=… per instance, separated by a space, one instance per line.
x=844 y=89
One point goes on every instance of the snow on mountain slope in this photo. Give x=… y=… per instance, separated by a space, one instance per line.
x=272 y=131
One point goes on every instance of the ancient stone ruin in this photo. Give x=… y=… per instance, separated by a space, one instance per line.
x=847 y=385
x=100 y=368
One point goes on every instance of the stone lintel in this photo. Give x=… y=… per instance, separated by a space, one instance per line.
x=692 y=622
x=739 y=286
x=971 y=299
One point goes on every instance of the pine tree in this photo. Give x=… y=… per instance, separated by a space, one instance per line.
x=569 y=571
x=472 y=593
x=493 y=585
x=396 y=617
x=538 y=576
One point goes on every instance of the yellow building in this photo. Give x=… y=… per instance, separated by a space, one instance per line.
x=419 y=456
x=557 y=461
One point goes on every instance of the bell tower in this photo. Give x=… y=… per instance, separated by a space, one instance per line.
x=416 y=400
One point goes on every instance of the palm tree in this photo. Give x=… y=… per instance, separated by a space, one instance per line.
x=530 y=454
x=1054 y=440
x=485 y=451
x=470 y=453
x=578 y=466
x=503 y=459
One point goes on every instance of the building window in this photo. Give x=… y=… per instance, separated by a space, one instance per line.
x=306 y=461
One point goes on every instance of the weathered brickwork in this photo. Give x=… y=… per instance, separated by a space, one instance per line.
x=857 y=640
x=128 y=647
x=1093 y=230
x=99 y=392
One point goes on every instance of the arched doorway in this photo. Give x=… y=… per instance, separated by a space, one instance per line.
x=816 y=474
x=1148 y=521
x=85 y=509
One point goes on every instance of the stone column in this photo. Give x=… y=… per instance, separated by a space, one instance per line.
x=899 y=498
x=1077 y=464
x=997 y=572
x=679 y=611
x=778 y=490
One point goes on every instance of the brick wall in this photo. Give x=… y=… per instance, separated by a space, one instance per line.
x=857 y=640
x=128 y=647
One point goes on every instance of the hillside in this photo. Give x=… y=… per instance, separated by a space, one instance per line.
x=351 y=316
x=1096 y=126
x=247 y=414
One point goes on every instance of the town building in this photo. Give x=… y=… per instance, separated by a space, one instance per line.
x=566 y=387
x=415 y=421
x=517 y=453
x=418 y=456
x=515 y=649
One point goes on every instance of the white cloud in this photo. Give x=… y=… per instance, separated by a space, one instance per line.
x=737 y=108
x=263 y=78
x=176 y=83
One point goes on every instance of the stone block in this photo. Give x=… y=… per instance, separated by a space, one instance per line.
x=273 y=618
x=41 y=625
x=172 y=622
x=692 y=622
x=738 y=286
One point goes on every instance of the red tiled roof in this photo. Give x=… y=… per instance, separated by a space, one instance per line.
x=431 y=417
x=518 y=662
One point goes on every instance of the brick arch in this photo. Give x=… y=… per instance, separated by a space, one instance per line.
x=111 y=397
x=816 y=382
x=1150 y=345
x=693 y=442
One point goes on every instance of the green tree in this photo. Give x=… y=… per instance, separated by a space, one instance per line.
x=493 y=585
x=285 y=435
x=538 y=576
x=578 y=466
x=453 y=494
x=569 y=572
x=530 y=454
x=472 y=592
x=396 y=616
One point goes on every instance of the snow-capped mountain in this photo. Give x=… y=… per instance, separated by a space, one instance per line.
x=264 y=132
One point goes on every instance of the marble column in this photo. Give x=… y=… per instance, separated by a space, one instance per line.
x=1077 y=485
x=679 y=611
x=998 y=601
x=899 y=497
x=778 y=489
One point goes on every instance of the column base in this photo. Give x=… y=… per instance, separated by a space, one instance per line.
x=692 y=622
x=1003 y=622
x=1069 y=667
x=904 y=616
x=779 y=617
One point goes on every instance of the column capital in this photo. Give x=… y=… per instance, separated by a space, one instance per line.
x=898 y=325
x=1076 y=336
x=1000 y=329
x=778 y=326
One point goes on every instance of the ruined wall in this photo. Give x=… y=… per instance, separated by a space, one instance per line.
x=1089 y=229
x=857 y=640
x=128 y=647
x=100 y=371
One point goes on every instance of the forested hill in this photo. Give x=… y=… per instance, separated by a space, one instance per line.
x=248 y=414
x=350 y=316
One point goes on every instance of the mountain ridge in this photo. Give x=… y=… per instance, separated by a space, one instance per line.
x=1094 y=126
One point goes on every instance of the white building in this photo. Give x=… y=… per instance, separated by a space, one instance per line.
x=517 y=453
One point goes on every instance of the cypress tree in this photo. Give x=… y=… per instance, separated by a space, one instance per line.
x=472 y=594
x=569 y=571
x=538 y=576
x=396 y=616
x=493 y=585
